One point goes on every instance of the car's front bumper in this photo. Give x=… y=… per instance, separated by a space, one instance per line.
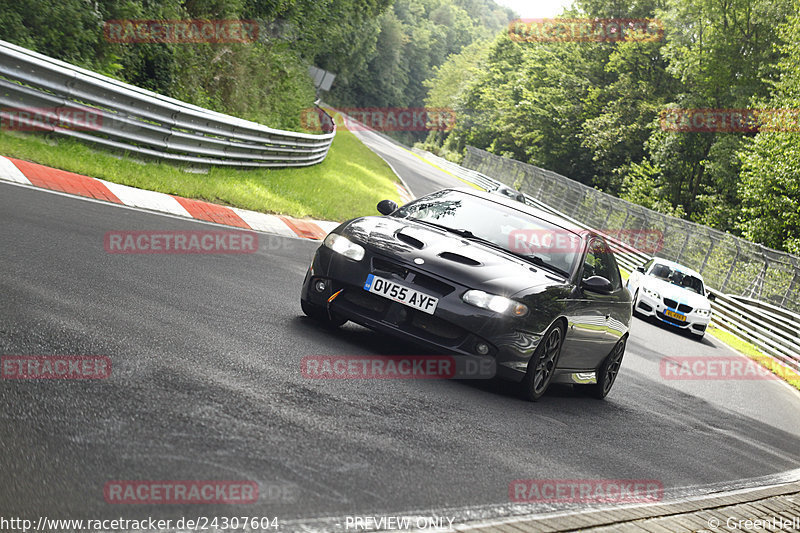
x=455 y=327
x=654 y=307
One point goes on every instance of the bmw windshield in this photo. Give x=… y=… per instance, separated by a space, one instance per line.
x=676 y=277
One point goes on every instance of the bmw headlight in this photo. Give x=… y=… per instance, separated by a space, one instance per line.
x=343 y=245
x=493 y=302
x=651 y=293
x=703 y=312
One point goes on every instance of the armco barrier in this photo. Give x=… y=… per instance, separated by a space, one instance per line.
x=774 y=330
x=142 y=122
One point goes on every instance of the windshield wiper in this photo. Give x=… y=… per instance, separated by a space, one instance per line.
x=541 y=262
x=467 y=234
x=525 y=257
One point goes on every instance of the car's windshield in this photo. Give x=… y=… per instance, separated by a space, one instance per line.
x=510 y=229
x=677 y=277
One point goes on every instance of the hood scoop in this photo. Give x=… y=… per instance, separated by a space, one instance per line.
x=458 y=258
x=411 y=241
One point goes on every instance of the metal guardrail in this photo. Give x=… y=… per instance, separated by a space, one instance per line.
x=142 y=122
x=774 y=330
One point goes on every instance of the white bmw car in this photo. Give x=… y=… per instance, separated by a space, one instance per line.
x=672 y=293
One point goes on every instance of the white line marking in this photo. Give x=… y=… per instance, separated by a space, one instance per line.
x=10 y=172
x=155 y=213
x=155 y=201
x=264 y=222
x=326 y=225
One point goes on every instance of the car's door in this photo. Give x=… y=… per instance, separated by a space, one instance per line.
x=597 y=319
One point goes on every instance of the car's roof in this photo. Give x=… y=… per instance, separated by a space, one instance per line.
x=525 y=208
x=678 y=266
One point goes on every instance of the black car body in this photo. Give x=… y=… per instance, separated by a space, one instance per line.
x=565 y=319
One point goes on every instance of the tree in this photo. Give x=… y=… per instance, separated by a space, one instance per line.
x=770 y=174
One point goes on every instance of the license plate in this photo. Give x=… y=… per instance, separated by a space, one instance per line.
x=676 y=316
x=398 y=293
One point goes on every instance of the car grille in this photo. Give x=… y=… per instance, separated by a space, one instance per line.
x=432 y=284
x=387 y=266
x=419 y=279
x=683 y=308
x=436 y=326
x=366 y=300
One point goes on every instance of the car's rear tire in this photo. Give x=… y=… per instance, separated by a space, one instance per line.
x=542 y=365
x=321 y=315
x=606 y=373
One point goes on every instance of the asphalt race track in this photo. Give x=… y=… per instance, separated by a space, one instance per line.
x=206 y=385
x=420 y=176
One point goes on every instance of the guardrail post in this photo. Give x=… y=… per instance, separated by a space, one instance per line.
x=791 y=289
x=730 y=270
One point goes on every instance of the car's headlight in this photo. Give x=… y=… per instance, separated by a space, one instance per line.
x=651 y=293
x=343 y=245
x=703 y=312
x=493 y=302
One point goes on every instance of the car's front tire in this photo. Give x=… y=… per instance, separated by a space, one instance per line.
x=542 y=365
x=635 y=302
x=606 y=373
x=321 y=315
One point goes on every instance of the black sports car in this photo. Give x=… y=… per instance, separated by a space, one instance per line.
x=466 y=272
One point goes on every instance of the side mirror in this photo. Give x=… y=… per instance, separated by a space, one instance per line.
x=597 y=284
x=711 y=296
x=640 y=268
x=386 y=206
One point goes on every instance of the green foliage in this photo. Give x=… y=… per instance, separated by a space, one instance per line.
x=584 y=109
x=591 y=110
x=266 y=81
x=641 y=187
x=770 y=177
x=414 y=38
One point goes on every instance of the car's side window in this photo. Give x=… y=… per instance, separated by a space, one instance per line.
x=599 y=262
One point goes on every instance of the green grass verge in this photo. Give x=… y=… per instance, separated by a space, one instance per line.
x=349 y=183
x=757 y=355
